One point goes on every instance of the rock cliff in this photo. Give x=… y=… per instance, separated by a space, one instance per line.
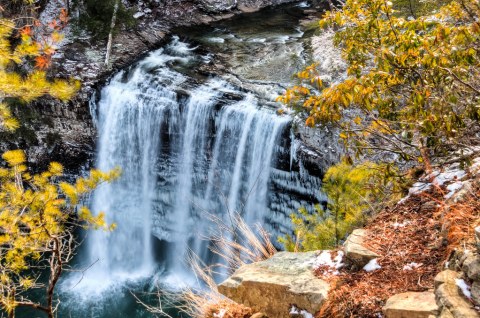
x=66 y=132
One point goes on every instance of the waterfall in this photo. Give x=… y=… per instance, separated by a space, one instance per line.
x=134 y=109
x=187 y=148
x=235 y=177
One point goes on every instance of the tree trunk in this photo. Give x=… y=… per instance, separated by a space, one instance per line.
x=110 y=35
x=425 y=157
x=56 y=268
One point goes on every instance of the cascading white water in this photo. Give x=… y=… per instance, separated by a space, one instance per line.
x=133 y=110
x=231 y=174
x=186 y=149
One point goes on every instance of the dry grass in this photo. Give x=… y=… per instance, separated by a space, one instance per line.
x=237 y=246
x=424 y=230
x=240 y=245
x=201 y=302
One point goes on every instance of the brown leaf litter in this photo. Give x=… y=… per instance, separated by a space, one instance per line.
x=414 y=240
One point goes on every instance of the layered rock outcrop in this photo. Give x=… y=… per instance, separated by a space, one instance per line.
x=451 y=298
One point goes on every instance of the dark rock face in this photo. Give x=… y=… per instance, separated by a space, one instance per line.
x=65 y=132
x=53 y=131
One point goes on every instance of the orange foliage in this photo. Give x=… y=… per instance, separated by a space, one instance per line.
x=46 y=36
x=42 y=62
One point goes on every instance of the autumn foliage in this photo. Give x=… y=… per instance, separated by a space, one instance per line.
x=37 y=219
x=412 y=87
x=34 y=45
x=38 y=213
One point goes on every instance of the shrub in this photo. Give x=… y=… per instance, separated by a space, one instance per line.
x=412 y=88
x=352 y=191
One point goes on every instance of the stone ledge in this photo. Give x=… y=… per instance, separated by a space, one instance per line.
x=411 y=305
x=274 y=285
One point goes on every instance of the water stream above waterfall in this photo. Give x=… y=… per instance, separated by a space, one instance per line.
x=191 y=144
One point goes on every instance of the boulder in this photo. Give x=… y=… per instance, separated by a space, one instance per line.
x=355 y=251
x=451 y=299
x=275 y=285
x=445 y=276
x=471 y=266
x=411 y=305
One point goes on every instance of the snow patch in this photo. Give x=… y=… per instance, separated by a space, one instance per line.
x=403 y=224
x=450 y=177
x=453 y=188
x=372 y=266
x=325 y=259
x=329 y=56
x=419 y=187
x=475 y=167
x=220 y=314
x=295 y=311
x=404 y=199
x=411 y=266
x=464 y=287
x=444 y=177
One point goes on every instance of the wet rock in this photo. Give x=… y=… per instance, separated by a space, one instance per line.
x=411 y=305
x=355 y=251
x=151 y=38
x=274 y=285
x=317 y=149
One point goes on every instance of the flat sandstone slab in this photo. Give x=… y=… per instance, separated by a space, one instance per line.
x=411 y=305
x=274 y=285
